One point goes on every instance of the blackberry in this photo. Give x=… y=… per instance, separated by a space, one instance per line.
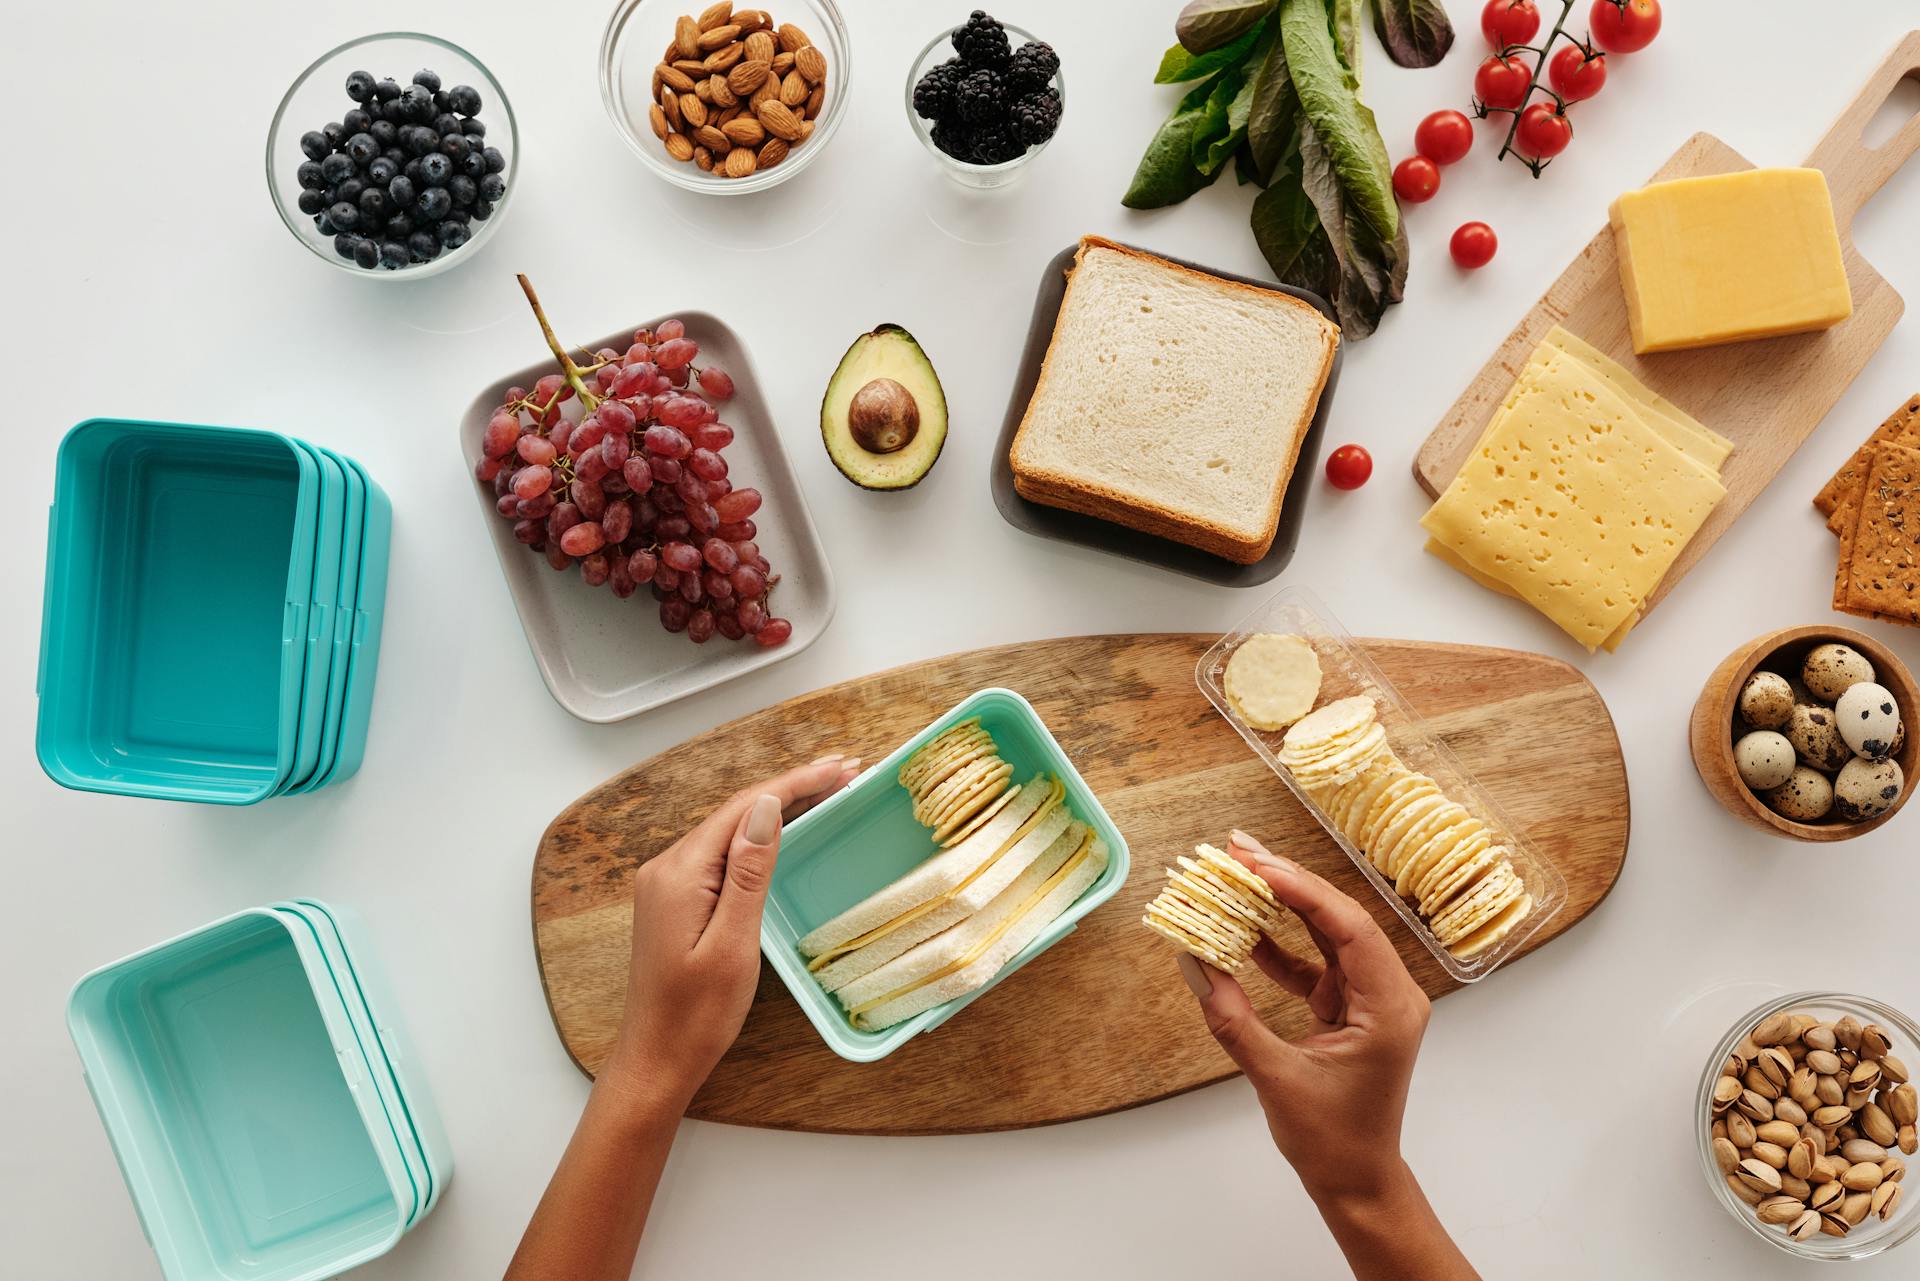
x=996 y=143
x=1032 y=67
x=933 y=96
x=980 y=97
x=1036 y=116
x=981 y=42
x=955 y=139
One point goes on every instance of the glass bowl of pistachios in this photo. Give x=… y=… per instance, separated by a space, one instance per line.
x=1807 y=1115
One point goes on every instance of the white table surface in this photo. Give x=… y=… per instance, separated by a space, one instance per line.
x=1551 y=1114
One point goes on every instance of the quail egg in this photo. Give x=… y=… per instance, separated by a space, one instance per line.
x=1869 y=720
x=1764 y=758
x=1805 y=797
x=1866 y=789
x=1766 y=700
x=1830 y=668
x=1816 y=737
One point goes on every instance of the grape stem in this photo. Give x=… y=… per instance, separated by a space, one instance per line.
x=575 y=376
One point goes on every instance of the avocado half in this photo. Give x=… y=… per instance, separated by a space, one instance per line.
x=884 y=417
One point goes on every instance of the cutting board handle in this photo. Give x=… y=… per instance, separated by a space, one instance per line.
x=1855 y=171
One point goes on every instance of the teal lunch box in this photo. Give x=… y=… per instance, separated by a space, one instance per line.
x=328 y=538
x=363 y=661
x=865 y=837
x=338 y=625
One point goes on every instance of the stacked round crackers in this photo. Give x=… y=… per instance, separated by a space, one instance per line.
x=1438 y=855
x=958 y=782
x=1214 y=908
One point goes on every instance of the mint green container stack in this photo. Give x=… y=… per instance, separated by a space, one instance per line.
x=212 y=613
x=265 y=1108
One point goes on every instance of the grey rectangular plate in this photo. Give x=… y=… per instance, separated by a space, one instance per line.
x=1090 y=531
x=605 y=659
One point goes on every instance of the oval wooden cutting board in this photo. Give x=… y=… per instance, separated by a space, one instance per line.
x=1101 y=1021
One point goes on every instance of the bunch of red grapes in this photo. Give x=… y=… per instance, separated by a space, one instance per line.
x=635 y=492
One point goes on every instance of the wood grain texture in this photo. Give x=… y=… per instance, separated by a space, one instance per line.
x=1765 y=396
x=1101 y=1021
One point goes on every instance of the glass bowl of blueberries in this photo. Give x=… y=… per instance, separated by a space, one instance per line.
x=393 y=155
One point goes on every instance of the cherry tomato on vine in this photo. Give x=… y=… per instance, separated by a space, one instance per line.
x=1506 y=22
x=1348 y=467
x=1544 y=131
x=1415 y=179
x=1473 y=244
x=1502 y=82
x=1624 y=26
x=1577 y=75
x=1444 y=137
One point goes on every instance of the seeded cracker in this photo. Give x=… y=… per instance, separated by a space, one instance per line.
x=1837 y=497
x=1882 y=565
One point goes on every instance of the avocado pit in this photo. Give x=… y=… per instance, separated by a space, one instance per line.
x=883 y=416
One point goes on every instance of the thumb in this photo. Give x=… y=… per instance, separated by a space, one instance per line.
x=1236 y=1025
x=750 y=860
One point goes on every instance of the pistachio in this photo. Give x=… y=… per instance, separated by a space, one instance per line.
x=1892 y=1170
x=1798 y=1024
x=1800 y=1086
x=1740 y=1129
x=1903 y=1104
x=1878 y=1126
x=1726 y=1156
x=1772 y=1153
x=1828 y=1090
x=1819 y=1037
x=1833 y=1225
x=1826 y=1118
x=1825 y=1062
x=1757 y=1107
x=1800 y=1158
x=1746 y=1191
x=1893 y=1071
x=1761 y=1177
x=1790 y=1112
x=1846 y=1030
x=1865 y=1076
x=1874 y=1042
x=1805 y=1226
x=1773 y=1029
x=1726 y=1092
x=1778 y=1132
x=1885 y=1200
x=1862 y=1177
x=1798 y=1189
x=1816 y=1136
x=1908 y=1139
x=1779 y=1210
x=1828 y=1169
x=1777 y=1064
x=1856 y=1207
x=1856 y=1150
x=1826 y=1196
x=1761 y=1083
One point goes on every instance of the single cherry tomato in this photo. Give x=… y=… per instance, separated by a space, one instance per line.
x=1506 y=22
x=1544 y=131
x=1415 y=179
x=1444 y=137
x=1473 y=244
x=1624 y=26
x=1577 y=74
x=1348 y=467
x=1502 y=82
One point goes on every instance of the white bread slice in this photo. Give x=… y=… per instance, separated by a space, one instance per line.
x=940 y=873
x=970 y=898
x=983 y=944
x=1172 y=402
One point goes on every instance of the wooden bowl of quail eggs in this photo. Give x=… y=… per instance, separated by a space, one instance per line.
x=1802 y=733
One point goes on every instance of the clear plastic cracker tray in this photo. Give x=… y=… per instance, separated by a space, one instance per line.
x=1345 y=670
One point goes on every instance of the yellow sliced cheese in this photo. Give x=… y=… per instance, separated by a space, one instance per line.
x=1054 y=798
x=1661 y=414
x=1573 y=502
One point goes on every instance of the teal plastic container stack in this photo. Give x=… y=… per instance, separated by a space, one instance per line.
x=265 y=1109
x=212 y=615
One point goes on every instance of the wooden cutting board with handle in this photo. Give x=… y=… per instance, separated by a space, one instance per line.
x=1765 y=396
x=1101 y=1021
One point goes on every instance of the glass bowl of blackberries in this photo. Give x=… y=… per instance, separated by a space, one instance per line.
x=985 y=98
x=393 y=155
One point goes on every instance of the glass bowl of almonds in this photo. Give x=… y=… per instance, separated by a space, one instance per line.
x=1807 y=1118
x=725 y=100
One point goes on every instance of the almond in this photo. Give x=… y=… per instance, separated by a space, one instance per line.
x=692 y=68
x=718 y=37
x=770 y=88
x=816 y=100
x=703 y=158
x=730 y=113
x=704 y=90
x=658 y=119
x=671 y=75
x=719 y=92
x=780 y=120
x=772 y=153
x=792 y=37
x=760 y=47
x=670 y=105
x=686 y=37
x=811 y=63
x=678 y=147
x=712 y=139
x=715 y=15
x=692 y=110
x=744 y=131
x=724 y=58
x=793 y=90
x=740 y=163
x=782 y=63
x=748 y=76
x=749 y=20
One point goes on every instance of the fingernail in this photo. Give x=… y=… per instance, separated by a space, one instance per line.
x=829 y=759
x=764 y=823
x=851 y=765
x=1245 y=842
x=1274 y=863
x=1195 y=976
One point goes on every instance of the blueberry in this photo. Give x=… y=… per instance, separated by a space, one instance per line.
x=445 y=123
x=335 y=134
x=393 y=253
x=492 y=187
x=396 y=155
x=387 y=90
x=435 y=169
x=343 y=215
x=366 y=253
x=495 y=161
x=343 y=244
x=315 y=144
x=401 y=190
x=452 y=235
x=393 y=111
x=429 y=80
x=482 y=209
x=423 y=245
x=373 y=203
x=356 y=121
x=474 y=128
x=382 y=171
x=473 y=164
x=310 y=176
x=384 y=132
x=361 y=149
x=323 y=226
x=336 y=168
x=455 y=146
x=419 y=140
x=459 y=215
x=463 y=190
x=412 y=169
x=359 y=85
x=312 y=202
x=464 y=99
x=432 y=204
x=419 y=103
x=440 y=101
x=349 y=190
x=400 y=226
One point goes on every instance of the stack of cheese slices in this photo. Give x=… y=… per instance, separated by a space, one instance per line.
x=1581 y=493
x=1014 y=859
x=1436 y=854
